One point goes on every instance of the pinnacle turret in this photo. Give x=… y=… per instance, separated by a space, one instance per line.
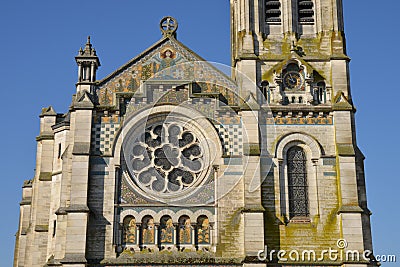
x=88 y=62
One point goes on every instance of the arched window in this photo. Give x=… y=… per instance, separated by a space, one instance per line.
x=185 y=231
x=297 y=182
x=273 y=11
x=321 y=92
x=203 y=230
x=129 y=230
x=148 y=231
x=265 y=90
x=167 y=231
x=305 y=11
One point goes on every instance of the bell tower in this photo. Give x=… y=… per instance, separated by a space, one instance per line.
x=294 y=54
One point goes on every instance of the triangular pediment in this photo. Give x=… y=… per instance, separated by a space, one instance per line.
x=278 y=68
x=167 y=60
x=83 y=100
x=341 y=102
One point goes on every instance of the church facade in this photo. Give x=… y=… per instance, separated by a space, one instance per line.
x=170 y=161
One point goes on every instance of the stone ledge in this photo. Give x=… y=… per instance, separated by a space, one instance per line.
x=74 y=258
x=81 y=148
x=53 y=262
x=27 y=184
x=77 y=209
x=82 y=106
x=166 y=257
x=45 y=176
x=345 y=150
x=59 y=125
x=253 y=209
x=343 y=107
x=25 y=202
x=350 y=209
x=45 y=136
x=41 y=228
x=61 y=211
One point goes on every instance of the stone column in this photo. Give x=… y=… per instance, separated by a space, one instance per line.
x=315 y=166
x=156 y=229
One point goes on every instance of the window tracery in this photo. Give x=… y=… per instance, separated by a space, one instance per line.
x=297 y=182
x=166 y=159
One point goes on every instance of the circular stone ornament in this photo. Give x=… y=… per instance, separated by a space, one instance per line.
x=166 y=158
x=168 y=26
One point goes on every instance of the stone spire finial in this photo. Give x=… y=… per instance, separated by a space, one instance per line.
x=88 y=62
x=88 y=48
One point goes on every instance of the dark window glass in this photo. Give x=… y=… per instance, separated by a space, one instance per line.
x=297 y=181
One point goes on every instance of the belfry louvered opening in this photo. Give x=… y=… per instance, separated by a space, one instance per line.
x=272 y=11
x=306 y=11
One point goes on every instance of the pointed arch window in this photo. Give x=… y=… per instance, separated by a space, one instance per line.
x=305 y=11
x=297 y=182
x=265 y=91
x=321 y=92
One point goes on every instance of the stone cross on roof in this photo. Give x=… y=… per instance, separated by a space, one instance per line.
x=168 y=26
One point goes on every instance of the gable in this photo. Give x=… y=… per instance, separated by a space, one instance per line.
x=168 y=61
x=278 y=68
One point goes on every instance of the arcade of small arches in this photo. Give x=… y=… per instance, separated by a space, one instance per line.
x=166 y=231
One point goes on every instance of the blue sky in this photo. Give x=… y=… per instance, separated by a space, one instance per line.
x=39 y=40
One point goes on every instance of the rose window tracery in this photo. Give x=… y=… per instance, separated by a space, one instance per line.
x=166 y=158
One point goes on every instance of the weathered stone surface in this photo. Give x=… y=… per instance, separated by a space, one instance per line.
x=209 y=177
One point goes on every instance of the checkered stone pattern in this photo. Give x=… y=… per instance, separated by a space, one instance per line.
x=231 y=137
x=103 y=137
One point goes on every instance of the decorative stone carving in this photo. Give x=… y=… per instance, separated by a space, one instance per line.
x=166 y=159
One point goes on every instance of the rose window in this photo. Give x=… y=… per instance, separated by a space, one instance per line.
x=165 y=159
